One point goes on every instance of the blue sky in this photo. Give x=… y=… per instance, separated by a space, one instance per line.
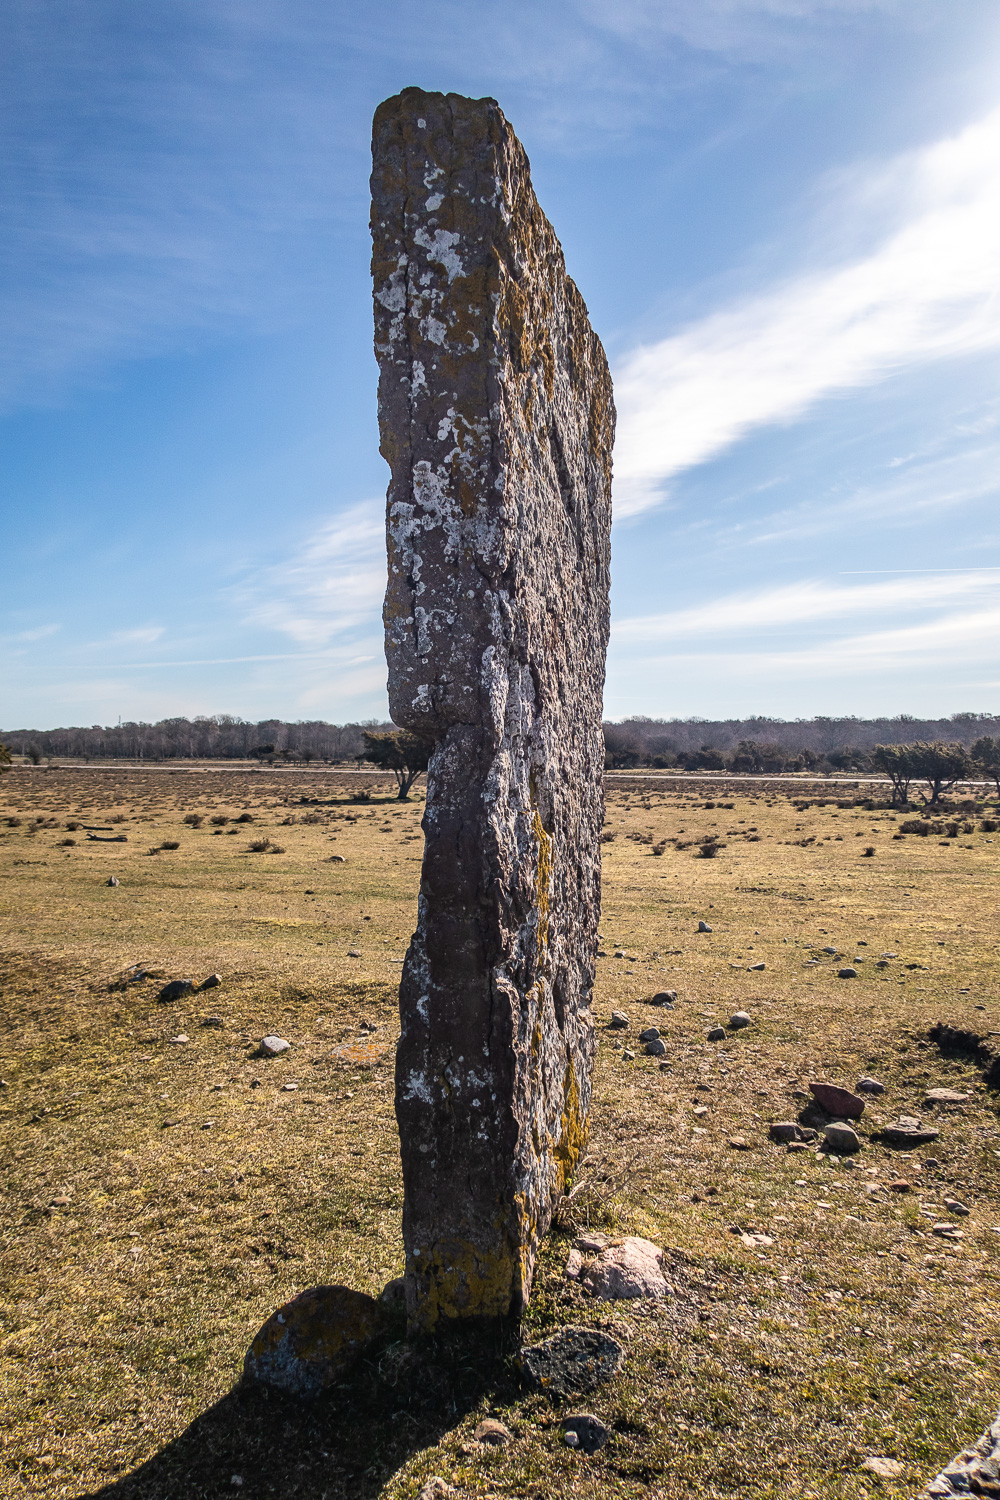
x=784 y=216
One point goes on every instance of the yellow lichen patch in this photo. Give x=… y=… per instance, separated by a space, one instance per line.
x=362 y=1054
x=457 y=1281
x=573 y=1130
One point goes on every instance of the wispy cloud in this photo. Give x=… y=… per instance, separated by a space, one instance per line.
x=331 y=586
x=808 y=601
x=929 y=292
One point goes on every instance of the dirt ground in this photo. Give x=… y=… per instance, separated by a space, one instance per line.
x=163 y=1196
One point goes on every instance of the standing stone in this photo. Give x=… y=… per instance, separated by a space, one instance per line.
x=497 y=421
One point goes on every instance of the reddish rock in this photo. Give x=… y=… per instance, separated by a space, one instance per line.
x=839 y=1102
x=631 y=1268
x=497 y=421
x=308 y=1344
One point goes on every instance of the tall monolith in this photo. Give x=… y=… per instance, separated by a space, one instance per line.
x=497 y=421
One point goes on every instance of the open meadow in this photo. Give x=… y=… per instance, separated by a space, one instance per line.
x=166 y=1188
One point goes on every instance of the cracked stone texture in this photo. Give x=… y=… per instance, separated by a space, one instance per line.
x=497 y=421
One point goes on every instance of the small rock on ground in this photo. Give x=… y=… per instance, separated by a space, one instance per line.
x=492 y=1433
x=945 y=1096
x=211 y=983
x=847 y=973
x=739 y=1019
x=619 y=1021
x=651 y=1034
x=309 y=1343
x=841 y=1138
x=590 y=1432
x=664 y=997
x=704 y=927
x=436 y=1488
x=656 y=1048
x=626 y=1270
x=573 y=1360
x=739 y=1143
x=885 y=1468
x=837 y=1101
x=717 y=1034
x=870 y=1086
x=175 y=989
x=273 y=1046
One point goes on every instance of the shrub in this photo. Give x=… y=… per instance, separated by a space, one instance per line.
x=194 y=820
x=708 y=847
x=989 y=825
x=260 y=846
x=245 y=818
x=916 y=825
x=170 y=844
x=869 y=852
x=67 y=843
x=72 y=826
x=219 y=820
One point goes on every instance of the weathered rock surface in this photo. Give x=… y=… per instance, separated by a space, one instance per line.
x=497 y=421
x=630 y=1268
x=176 y=989
x=590 y=1432
x=837 y=1101
x=308 y=1344
x=841 y=1138
x=573 y=1360
x=975 y=1470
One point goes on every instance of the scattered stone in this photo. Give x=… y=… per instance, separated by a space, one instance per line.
x=870 y=1086
x=211 y=983
x=629 y=1268
x=619 y=1021
x=847 y=973
x=651 y=1034
x=655 y=1048
x=216 y=1022
x=353 y=953
x=492 y=1434
x=61 y=1202
x=700 y=1110
x=739 y=1143
x=975 y=1470
x=955 y=1207
x=704 y=927
x=496 y=414
x=907 y=1132
x=111 y=880
x=308 y=1344
x=574 y=1265
x=273 y=1046
x=739 y=1019
x=590 y=1432
x=837 y=1101
x=828 y=949
x=899 y=1185
x=337 y=859
x=436 y=1488
x=786 y=1130
x=591 y=1243
x=945 y=1096
x=754 y=1239
x=946 y=1230
x=289 y=1088
x=176 y=989
x=841 y=1138
x=664 y=997
x=885 y=1468
x=179 y=1041
x=573 y=1360
x=717 y=1034
x=753 y=968
x=628 y=1056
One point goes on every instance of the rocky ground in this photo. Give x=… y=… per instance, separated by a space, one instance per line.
x=829 y=1321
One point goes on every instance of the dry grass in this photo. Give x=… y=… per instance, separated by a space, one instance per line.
x=162 y=1198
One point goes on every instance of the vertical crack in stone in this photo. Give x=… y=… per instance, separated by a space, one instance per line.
x=497 y=419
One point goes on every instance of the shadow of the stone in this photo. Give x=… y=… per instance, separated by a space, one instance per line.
x=392 y=1405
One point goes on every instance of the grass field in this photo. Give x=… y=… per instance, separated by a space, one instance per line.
x=162 y=1197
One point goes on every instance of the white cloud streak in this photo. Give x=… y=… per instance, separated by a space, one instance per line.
x=333 y=585
x=930 y=291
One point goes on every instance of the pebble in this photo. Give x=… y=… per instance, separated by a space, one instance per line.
x=589 y=1432
x=289 y=1088
x=175 y=989
x=628 y=1269
x=493 y=1433
x=664 y=997
x=885 y=1468
x=870 y=1086
x=619 y=1021
x=946 y=1231
x=273 y=1046
x=651 y=1034
x=739 y=1019
x=212 y=982
x=836 y=1100
x=704 y=927
x=213 y=1021
x=847 y=973
x=353 y=953
x=112 y=880
x=717 y=1034
x=739 y=1143
x=656 y=1048
x=700 y=1109
x=909 y=1132
x=899 y=1185
x=178 y=1041
x=841 y=1138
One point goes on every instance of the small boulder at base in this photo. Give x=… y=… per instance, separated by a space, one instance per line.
x=176 y=989
x=492 y=1434
x=739 y=1019
x=785 y=1130
x=841 y=1138
x=837 y=1101
x=273 y=1046
x=590 y=1432
x=310 y=1342
x=573 y=1360
x=907 y=1132
x=626 y=1270
x=664 y=997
